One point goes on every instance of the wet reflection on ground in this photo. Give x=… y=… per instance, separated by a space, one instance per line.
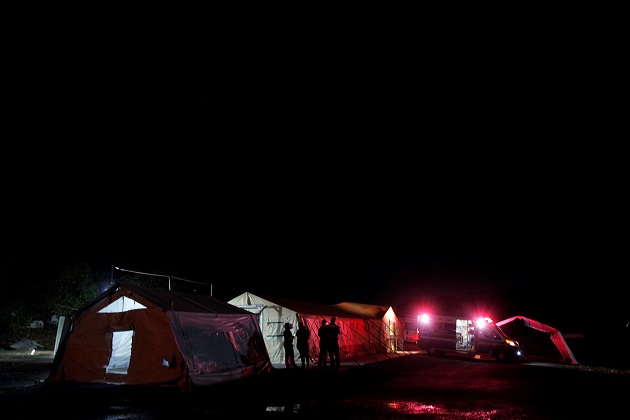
x=411 y=386
x=392 y=409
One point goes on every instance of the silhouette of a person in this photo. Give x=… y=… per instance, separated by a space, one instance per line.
x=321 y=332
x=303 y=335
x=332 y=343
x=289 y=353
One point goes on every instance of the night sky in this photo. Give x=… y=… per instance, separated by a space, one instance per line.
x=445 y=172
x=541 y=251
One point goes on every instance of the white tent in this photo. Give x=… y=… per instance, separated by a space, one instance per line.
x=362 y=334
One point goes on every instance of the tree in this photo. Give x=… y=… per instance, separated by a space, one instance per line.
x=29 y=295
x=71 y=290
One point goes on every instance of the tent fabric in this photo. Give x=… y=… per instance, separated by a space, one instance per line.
x=361 y=333
x=144 y=336
x=554 y=334
x=363 y=309
x=381 y=317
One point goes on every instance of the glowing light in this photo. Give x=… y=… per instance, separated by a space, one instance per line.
x=483 y=321
x=390 y=315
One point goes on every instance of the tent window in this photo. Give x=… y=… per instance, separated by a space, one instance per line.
x=121 y=352
x=122 y=304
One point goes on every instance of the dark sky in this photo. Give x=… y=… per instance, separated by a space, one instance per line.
x=379 y=176
x=330 y=233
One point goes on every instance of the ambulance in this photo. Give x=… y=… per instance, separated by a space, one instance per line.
x=476 y=337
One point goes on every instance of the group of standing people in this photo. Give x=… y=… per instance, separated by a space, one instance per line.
x=302 y=335
x=328 y=345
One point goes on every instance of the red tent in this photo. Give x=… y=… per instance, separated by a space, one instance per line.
x=555 y=335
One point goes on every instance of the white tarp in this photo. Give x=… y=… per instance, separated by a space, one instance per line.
x=362 y=333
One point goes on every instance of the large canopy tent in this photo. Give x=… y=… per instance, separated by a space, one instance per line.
x=361 y=334
x=382 y=317
x=146 y=336
x=516 y=326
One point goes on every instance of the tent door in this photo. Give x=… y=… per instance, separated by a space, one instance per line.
x=121 y=352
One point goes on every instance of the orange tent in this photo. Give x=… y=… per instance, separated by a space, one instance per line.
x=146 y=336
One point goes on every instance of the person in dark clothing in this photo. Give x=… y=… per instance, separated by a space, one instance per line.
x=303 y=335
x=332 y=343
x=321 y=333
x=289 y=353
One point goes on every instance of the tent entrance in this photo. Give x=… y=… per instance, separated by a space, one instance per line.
x=121 y=352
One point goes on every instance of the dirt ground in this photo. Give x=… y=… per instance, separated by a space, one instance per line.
x=402 y=387
x=410 y=386
x=16 y=372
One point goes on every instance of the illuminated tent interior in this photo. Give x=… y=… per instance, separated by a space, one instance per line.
x=382 y=317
